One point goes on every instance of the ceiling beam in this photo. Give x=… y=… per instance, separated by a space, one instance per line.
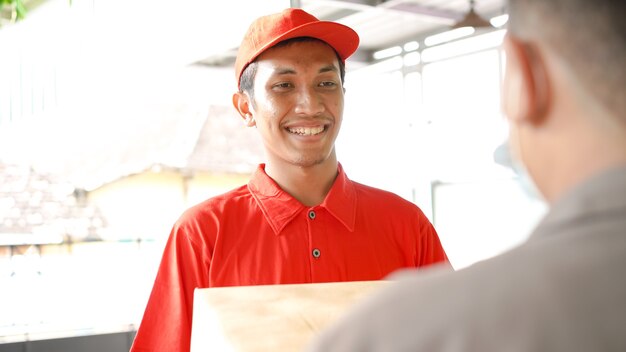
x=355 y=5
x=421 y=10
x=426 y=13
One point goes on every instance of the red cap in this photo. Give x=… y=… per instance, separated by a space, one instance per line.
x=267 y=31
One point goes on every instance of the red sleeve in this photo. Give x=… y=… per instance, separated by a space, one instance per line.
x=429 y=251
x=166 y=324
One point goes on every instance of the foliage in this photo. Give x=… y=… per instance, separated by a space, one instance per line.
x=15 y=7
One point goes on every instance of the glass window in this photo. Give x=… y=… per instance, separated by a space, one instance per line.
x=461 y=100
x=427 y=130
x=479 y=209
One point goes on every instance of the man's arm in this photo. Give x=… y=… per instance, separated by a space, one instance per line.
x=166 y=324
x=429 y=250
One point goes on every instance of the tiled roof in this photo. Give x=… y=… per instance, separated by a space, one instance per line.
x=41 y=206
x=225 y=145
x=218 y=142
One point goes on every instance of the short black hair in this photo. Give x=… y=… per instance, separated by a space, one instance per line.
x=589 y=35
x=246 y=82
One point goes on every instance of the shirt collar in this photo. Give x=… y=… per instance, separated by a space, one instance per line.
x=279 y=207
x=599 y=195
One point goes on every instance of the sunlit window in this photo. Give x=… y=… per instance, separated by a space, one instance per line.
x=432 y=140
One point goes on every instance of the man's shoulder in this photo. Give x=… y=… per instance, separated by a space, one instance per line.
x=372 y=194
x=221 y=202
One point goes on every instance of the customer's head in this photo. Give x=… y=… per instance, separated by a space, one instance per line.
x=565 y=87
x=589 y=36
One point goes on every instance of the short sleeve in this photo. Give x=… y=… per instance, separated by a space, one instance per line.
x=429 y=251
x=166 y=324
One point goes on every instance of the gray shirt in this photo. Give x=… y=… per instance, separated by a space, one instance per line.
x=562 y=290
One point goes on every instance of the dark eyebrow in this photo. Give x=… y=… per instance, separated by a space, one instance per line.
x=290 y=71
x=285 y=71
x=329 y=68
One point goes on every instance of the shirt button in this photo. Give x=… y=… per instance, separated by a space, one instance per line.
x=311 y=214
x=316 y=253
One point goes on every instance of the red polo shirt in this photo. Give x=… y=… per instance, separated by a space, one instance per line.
x=258 y=234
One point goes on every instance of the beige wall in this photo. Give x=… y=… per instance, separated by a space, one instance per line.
x=146 y=205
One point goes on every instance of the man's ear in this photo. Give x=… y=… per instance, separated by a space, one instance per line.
x=241 y=102
x=525 y=85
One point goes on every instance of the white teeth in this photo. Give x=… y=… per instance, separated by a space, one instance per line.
x=306 y=131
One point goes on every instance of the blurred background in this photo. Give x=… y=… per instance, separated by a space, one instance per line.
x=115 y=116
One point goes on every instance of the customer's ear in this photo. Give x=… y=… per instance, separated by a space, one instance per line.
x=525 y=85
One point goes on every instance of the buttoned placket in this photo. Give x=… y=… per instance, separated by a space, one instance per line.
x=316 y=253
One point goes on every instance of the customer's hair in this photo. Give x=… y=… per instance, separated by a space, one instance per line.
x=246 y=82
x=589 y=35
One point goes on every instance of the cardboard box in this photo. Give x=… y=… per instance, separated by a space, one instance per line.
x=269 y=317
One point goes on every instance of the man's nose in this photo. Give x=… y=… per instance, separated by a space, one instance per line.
x=310 y=102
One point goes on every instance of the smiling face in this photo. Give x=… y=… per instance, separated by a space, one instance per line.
x=298 y=103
